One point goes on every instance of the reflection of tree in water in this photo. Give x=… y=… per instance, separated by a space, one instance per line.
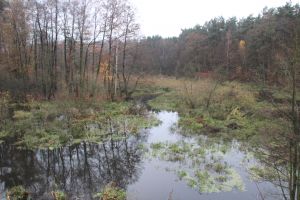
x=80 y=170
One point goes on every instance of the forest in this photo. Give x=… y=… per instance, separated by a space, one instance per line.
x=86 y=101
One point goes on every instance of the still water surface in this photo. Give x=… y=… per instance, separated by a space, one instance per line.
x=83 y=170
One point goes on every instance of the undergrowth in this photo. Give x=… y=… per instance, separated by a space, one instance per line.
x=51 y=124
x=227 y=109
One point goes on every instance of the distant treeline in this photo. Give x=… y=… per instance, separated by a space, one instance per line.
x=79 y=46
x=253 y=48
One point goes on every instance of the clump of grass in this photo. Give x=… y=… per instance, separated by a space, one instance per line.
x=157 y=146
x=219 y=168
x=166 y=101
x=202 y=177
x=234 y=181
x=235 y=93
x=5 y=99
x=111 y=192
x=17 y=193
x=204 y=166
x=182 y=174
x=221 y=179
x=175 y=149
x=19 y=115
x=190 y=124
x=59 y=195
x=262 y=173
x=191 y=182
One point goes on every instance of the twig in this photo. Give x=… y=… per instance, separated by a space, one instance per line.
x=171 y=195
x=260 y=193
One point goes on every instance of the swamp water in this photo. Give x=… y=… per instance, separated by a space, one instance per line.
x=157 y=164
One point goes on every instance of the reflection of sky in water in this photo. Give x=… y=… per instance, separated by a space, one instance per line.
x=81 y=171
x=159 y=177
x=162 y=132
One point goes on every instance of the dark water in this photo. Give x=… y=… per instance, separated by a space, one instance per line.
x=83 y=170
x=80 y=171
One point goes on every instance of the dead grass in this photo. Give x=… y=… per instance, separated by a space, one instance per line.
x=197 y=92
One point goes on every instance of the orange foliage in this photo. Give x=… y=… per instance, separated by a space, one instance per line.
x=242 y=44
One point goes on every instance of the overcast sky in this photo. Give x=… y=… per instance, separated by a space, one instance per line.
x=168 y=17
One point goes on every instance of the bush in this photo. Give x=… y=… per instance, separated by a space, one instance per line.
x=17 y=193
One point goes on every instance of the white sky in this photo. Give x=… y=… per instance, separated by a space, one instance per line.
x=168 y=17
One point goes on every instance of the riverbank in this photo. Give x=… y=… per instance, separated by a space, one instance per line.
x=222 y=108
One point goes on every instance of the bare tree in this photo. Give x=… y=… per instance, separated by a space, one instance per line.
x=131 y=28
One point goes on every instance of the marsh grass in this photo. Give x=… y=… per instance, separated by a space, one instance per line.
x=111 y=192
x=53 y=124
x=235 y=109
x=201 y=166
x=59 y=195
x=17 y=193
